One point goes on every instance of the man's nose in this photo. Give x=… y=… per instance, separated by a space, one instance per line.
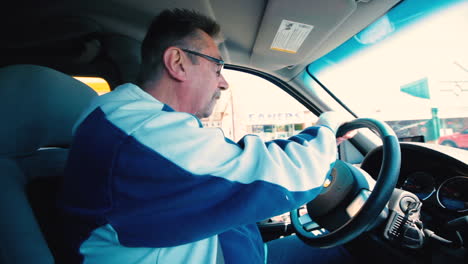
x=223 y=84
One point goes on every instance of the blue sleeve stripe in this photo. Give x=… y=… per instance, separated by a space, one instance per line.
x=310 y=132
x=228 y=140
x=300 y=139
x=282 y=143
x=167 y=108
x=241 y=142
x=306 y=135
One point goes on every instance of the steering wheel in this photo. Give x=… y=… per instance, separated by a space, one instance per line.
x=351 y=202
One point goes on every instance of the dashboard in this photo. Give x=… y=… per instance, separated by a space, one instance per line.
x=438 y=175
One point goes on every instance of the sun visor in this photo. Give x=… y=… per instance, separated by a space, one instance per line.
x=292 y=30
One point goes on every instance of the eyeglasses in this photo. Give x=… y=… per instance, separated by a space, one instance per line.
x=218 y=62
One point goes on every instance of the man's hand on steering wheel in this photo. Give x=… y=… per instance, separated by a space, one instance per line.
x=352 y=201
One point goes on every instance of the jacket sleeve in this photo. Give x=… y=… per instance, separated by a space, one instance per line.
x=175 y=182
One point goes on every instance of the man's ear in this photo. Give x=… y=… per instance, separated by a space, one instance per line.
x=175 y=63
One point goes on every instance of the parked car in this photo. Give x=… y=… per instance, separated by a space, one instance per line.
x=457 y=140
x=287 y=61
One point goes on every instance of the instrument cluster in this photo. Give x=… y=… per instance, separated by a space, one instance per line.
x=451 y=194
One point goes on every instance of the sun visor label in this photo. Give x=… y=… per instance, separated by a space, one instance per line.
x=290 y=36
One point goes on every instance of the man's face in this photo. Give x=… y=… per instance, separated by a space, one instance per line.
x=206 y=80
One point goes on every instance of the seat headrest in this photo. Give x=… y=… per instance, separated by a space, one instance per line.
x=38 y=109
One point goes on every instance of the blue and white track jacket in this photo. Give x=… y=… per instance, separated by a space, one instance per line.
x=146 y=184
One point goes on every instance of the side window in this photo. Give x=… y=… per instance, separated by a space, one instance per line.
x=98 y=84
x=253 y=105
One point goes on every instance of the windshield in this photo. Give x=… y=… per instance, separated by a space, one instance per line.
x=410 y=69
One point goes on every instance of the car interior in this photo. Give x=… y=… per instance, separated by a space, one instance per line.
x=47 y=43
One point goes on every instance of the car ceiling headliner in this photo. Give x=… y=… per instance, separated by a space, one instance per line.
x=248 y=26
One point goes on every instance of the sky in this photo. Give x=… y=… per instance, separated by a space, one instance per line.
x=370 y=83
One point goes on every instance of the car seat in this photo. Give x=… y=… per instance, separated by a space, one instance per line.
x=38 y=109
